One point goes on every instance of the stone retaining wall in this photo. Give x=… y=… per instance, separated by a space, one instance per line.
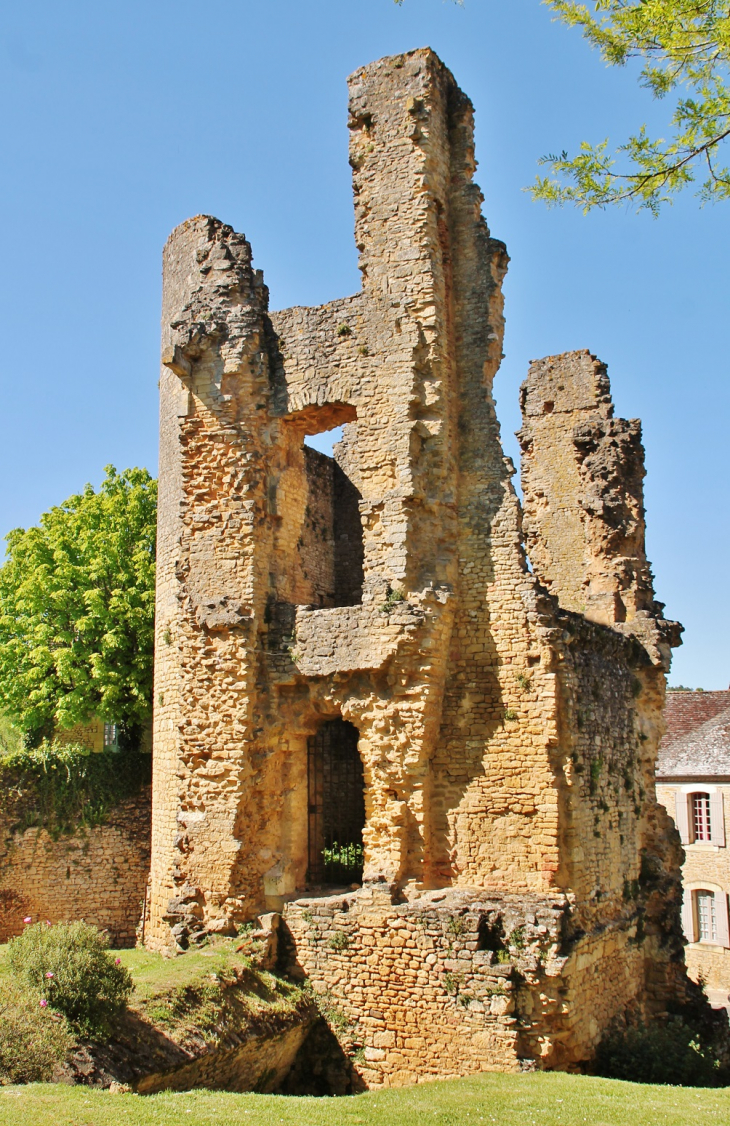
x=99 y=874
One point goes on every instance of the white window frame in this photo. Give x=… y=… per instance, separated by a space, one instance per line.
x=706 y=901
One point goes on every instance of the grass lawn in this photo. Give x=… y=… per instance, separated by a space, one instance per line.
x=510 y=1100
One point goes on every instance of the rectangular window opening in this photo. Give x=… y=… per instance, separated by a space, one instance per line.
x=336 y=805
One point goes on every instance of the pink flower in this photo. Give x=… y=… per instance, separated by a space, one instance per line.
x=49 y=923
x=49 y=974
x=44 y=1003
x=28 y=919
x=117 y=961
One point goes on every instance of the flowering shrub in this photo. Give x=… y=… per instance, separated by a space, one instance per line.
x=69 y=967
x=33 y=1039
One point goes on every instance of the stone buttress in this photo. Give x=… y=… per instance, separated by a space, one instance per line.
x=520 y=883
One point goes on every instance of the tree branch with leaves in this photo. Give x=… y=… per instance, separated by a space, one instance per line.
x=684 y=46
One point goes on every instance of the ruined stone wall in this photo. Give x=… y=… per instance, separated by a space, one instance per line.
x=582 y=473
x=507 y=737
x=89 y=735
x=458 y=982
x=99 y=875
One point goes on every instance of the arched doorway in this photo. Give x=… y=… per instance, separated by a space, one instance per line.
x=336 y=805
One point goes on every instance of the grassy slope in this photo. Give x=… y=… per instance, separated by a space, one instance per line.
x=183 y=1006
x=186 y=997
x=510 y=1100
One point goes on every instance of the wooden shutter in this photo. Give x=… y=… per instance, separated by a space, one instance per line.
x=723 y=930
x=717 y=820
x=688 y=916
x=681 y=815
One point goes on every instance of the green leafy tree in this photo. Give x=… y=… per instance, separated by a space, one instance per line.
x=684 y=46
x=77 y=610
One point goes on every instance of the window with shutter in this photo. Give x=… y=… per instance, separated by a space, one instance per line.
x=717 y=819
x=681 y=816
x=701 y=823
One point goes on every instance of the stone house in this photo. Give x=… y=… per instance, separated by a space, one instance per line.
x=97 y=735
x=693 y=782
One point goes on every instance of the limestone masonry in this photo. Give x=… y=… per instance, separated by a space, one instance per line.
x=360 y=681
x=98 y=874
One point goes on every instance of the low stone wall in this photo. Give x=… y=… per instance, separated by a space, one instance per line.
x=99 y=874
x=457 y=982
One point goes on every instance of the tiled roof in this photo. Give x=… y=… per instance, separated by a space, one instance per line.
x=697 y=742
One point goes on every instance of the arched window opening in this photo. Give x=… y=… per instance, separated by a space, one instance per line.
x=701 y=823
x=706 y=916
x=336 y=805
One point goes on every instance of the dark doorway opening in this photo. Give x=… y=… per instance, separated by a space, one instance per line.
x=336 y=805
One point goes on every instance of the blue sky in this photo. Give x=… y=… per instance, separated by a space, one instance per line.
x=120 y=120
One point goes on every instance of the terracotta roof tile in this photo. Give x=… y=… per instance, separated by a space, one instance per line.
x=697 y=741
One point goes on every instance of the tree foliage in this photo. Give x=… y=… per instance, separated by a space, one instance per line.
x=684 y=47
x=77 y=610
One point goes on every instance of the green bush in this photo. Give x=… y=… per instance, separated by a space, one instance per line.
x=69 y=966
x=671 y=1053
x=33 y=1038
x=61 y=786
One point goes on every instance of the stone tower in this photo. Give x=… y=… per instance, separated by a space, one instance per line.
x=359 y=680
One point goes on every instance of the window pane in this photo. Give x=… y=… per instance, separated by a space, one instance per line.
x=706 y=916
x=701 y=816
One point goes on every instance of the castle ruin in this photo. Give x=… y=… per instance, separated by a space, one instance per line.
x=422 y=733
